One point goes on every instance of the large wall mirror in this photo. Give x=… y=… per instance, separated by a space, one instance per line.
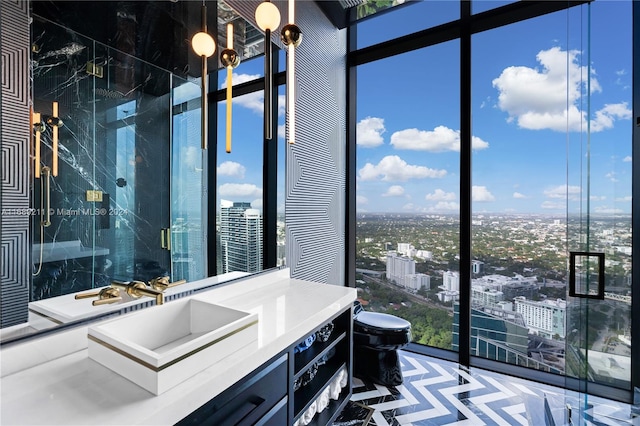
x=118 y=180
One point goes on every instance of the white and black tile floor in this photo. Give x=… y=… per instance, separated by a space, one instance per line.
x=437 y=392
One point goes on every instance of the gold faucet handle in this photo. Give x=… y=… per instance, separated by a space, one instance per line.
x=107 y=295
x=162 y=283
x=87 y=295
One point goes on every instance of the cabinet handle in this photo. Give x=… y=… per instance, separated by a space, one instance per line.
x=165 y=238
x=243 y=412
x=573 y=292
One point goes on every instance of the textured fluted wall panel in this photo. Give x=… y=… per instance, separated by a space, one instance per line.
x=315 y=175
x=315 y=197
x=14 y=127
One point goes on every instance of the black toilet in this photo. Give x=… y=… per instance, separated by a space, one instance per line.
x=376 y=340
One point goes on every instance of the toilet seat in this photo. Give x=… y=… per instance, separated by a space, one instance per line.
x=380 y=331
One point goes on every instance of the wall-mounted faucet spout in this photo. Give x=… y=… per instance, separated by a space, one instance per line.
x=137 y=289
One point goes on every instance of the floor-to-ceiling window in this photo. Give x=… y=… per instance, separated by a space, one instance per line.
x=408 y=146
x=549 y=139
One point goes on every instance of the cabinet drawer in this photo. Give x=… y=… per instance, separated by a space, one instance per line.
x=245 y=402
x=277 y=416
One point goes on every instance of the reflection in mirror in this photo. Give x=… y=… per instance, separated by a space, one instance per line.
x=125 y=202
x=117 y=191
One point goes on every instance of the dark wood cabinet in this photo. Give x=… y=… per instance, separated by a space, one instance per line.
x=249 y=401
x=324 y=361
x=269 y=396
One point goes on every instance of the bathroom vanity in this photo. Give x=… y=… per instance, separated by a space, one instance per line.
x=302 y=354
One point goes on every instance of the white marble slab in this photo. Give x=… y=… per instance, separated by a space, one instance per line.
x=75 y=390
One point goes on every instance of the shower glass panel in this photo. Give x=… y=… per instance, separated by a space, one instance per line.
x=188 y=201
x=107 y=212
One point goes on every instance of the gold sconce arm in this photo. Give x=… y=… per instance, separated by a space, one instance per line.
x=162 y=283
x=229 y=59
x=291 y=36
x=137 y=289
x=38 y=127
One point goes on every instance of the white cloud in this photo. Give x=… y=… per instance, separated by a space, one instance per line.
x=481 y=194
x=191 y=157
x=282 y=105
x=441 y=139
x=627 y=159
x=537 y=99
x=608 y=115
x=240 y=78
x=231 y=168
x=628 y=198
x=563 y=191
x=408 y=206
x=607 y=210
x=237 y=190
x=519 y=195
x=611 y=176
x=394 y=168
x=394 y=191
x=445 y=206
x=253 y=101
x=369 y=132
x=361 y=199
x=440 y=195
x=598 y=197
x=257 y=203
x=552 y=205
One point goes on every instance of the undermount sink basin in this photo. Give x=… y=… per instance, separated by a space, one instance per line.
x=161 y=346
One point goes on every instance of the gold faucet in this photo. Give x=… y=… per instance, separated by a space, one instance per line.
x=162 y=283
x=137 y=289
x=105 y=296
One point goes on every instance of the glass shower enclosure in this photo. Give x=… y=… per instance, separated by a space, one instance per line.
x=118 y=172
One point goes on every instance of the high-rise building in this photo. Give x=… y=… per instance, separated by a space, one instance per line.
x=398 y=267
x=484 y=296
x=545 y=318
x=240 y=237
x=417 y=281
x=451 y=281
x=477 y=267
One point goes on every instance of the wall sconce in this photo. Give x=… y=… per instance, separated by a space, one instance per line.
x=268 y=19
x=39 y=127
x=55 y=123
x=230 y=60
x=291 y=36
x=45 y=184
x=204 y=46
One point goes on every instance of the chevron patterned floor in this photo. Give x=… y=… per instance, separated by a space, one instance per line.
x=437 y=392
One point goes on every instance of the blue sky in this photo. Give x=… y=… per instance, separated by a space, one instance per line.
x=527 y=79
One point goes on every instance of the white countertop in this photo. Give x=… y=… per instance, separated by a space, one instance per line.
x=66 y=308
x=75 y=390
